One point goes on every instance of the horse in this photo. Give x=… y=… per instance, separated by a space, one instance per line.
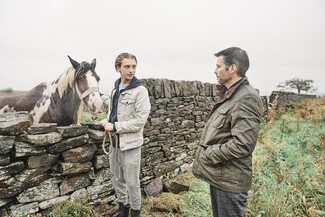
x=60 y=101
x=6 y=109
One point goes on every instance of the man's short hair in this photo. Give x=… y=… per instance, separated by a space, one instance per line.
x=237 y=56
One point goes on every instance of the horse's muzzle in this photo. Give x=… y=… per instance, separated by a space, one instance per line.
x=94 y=117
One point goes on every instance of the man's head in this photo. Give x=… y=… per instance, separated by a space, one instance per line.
x=236 y=56
x=119 y=59
x=126 y=64
x=232 y=64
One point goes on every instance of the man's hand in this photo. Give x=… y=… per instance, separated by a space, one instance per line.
x=108 y=126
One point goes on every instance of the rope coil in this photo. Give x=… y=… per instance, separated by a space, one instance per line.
x=110 y=149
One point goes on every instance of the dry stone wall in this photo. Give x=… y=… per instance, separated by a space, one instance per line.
x=44 y=164
x=284 y=98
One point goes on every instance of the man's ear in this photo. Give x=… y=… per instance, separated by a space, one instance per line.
x=233 y=68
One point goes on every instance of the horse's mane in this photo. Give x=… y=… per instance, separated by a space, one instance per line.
x=66 y=80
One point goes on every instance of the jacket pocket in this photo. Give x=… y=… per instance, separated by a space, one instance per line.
x=221 y=117
x=127 y=106
x=221 y=123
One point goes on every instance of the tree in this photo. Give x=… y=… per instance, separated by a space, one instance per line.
x=298 y=84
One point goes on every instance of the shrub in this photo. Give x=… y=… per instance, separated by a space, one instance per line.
x=7 y=90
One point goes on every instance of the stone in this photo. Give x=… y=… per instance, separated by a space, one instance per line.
x=80 y=154
x=188 y=124
x=74 y=183
x=185 y=167
x=154 y=158
x=24 y=149
x=34 y=181
x=101 y=161
x=28 y=174
x=103 y=175
x=74 y=168
x=176 y=187
x=72 y=130
x=155 y=121
x=6 y=144
x=42 y=128
x=95 y=126
x=41 y=160
x=24 y=209
x=154 y=188
x=79 y=193
x=4 y=160
x=11 y=191
x=49 y=203
x=100 y=191
x=9 y=181
x=4 y=202
x=68 y=143
x=13 y=168
x=181 y=156
x=164 y=168
x=44 y=191
x=41 y=139
x=96 y=134
x=15 y=123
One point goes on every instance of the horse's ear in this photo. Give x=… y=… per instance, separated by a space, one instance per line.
x=74 y=63
x=93 y=64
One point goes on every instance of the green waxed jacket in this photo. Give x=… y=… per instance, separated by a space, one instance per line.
x=224 y=154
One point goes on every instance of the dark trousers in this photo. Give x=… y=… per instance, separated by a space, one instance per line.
x=228 y=204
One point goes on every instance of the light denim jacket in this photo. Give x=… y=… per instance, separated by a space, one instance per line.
x=132 y=113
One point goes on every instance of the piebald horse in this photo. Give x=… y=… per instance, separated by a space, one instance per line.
x=61 y=100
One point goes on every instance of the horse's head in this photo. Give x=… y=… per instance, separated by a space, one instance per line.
x=87 y=85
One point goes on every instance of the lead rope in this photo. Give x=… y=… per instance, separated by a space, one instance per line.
x=117 y=156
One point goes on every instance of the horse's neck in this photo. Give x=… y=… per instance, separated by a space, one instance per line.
x=57 y=105
x=70 y=102
x=64 y=108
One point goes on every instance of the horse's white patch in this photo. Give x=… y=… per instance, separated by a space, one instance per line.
x=44 y=102
x=95 y=100
x=6 y=109
x=106 y=101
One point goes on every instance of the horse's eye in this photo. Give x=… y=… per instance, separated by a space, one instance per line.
x=80 y=78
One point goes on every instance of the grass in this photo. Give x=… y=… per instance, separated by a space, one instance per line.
x=289 y=163
x=77 y=207
x=193 y=203
x=86 y=117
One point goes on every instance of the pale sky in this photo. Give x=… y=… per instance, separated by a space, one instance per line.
x=173 y=39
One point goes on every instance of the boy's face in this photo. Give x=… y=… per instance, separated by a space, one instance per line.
x=127 y=70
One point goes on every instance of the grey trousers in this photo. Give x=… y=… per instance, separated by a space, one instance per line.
x=128 y=185
x=228 y=204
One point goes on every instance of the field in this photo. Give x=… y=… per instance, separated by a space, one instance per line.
x=288 y=173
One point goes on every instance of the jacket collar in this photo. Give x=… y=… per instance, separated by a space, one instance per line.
x=135 y=82
x=227 y=93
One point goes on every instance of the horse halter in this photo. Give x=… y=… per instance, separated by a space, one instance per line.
x=86 y=92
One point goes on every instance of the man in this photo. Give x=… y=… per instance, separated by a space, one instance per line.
x=130 y=108
x=224 y=155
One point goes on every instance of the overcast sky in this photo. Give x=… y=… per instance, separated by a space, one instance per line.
x=173 y=39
